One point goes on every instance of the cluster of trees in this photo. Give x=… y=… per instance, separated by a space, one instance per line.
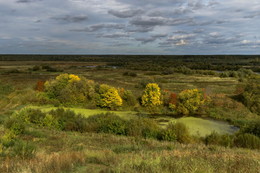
x=74 y=90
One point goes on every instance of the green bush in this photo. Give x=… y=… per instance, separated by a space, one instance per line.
x=216 y=139
x=128 y=98
x=168 y=134
x=106 y=123
x=247 y=141
x=50 y=121
x=67 y=120
x=176 y=131
x=16 y=126
x=142 y=127
x=252 y=128
x=132 y=74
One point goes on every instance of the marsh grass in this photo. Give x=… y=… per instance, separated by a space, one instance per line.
x=89 y=152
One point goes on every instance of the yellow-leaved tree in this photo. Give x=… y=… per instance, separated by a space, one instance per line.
x=151 y=96
x=108 y=97
x=189 y=101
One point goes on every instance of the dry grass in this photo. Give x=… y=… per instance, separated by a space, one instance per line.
x=91 y=152
x=43 y=163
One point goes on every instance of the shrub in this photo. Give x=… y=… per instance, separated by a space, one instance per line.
x=66 y=120
x=34 y=116
x=182 y=132
x=176 y=132
x=51 y=122
x=150 y=129
x=247 y=141
x=252 y=128
x=15 y=126
x=106 y=123
x=216 y=139
x=168 y=134
x=142 y=127
x=132 y=74
x=128 y=97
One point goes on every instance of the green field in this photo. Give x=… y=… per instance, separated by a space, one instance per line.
x=55 y=143
x=196 y=126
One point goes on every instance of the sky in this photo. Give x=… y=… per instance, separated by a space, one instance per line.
x=130 y=27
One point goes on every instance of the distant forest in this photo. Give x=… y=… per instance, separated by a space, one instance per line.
x=155 y=62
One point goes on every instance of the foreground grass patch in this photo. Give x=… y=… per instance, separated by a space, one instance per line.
x=89 y=152
x=87 y=112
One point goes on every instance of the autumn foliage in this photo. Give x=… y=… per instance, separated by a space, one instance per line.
x=152 y=95
x=188 y=101
x=40 y=86
x=108 y=97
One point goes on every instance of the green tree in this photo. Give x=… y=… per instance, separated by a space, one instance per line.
x=152 y=95
x=70 y=89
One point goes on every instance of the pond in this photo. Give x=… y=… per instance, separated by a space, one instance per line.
x=201 y=126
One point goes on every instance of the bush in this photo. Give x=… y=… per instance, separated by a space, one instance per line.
x=168 y=134
x=181 y=131
x=66 y=120
x=132 y=74
x=16 y=126
x=128 y=97
x=106 y=123
x=175 y=132
x=142 y=127
x=216 y=139
x=247 y=141
x=252 y=128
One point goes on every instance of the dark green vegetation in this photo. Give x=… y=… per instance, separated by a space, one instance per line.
x=136 y=136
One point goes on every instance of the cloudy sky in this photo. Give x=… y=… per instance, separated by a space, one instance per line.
x=130 y=26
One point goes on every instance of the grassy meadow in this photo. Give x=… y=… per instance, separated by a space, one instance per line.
x=214 y=133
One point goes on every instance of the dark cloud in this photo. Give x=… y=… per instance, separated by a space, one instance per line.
x=125 y=13
x=121 y=44
x=26 y=1
x=97 y=27
x=71 y=19
x=250 y=16
x=115 y=35
x=159 y=35
x=216 y=38
x=180 y=32
x=146 y=40
x=140 y=29
x=152 y=38
x=149 y=22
